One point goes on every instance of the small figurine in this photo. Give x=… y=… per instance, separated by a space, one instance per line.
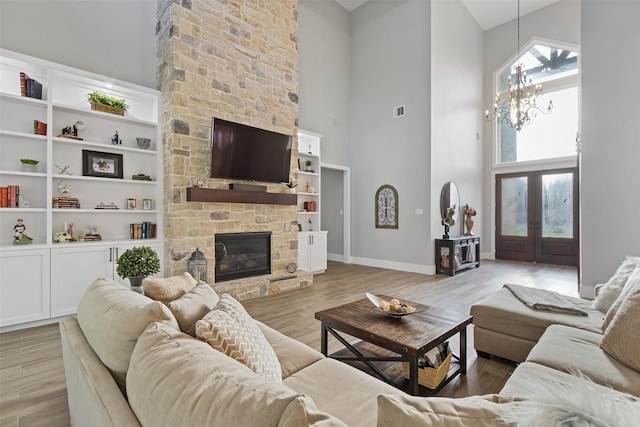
x=115 y=139
x=310 y=226
x=19 y=238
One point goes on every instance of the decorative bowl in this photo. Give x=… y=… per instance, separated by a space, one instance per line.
x=143 y=143
x=393 y=308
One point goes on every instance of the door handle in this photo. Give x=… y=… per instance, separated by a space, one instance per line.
x=110 y=254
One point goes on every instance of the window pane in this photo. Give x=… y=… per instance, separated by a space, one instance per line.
x=542 y=63
x=514 y=206
x=548 y=136
x=557 y=205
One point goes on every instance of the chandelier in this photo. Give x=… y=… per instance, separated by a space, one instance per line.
x=520 y=107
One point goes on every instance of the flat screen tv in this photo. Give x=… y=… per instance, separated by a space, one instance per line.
x=247 y=153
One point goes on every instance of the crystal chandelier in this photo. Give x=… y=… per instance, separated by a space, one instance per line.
x=520 y=107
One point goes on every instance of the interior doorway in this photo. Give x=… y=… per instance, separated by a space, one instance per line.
x=335 y=211
x=537 y=216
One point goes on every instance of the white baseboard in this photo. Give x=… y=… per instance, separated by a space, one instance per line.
x=487 y=255
x=335 y=257
x=393 y=265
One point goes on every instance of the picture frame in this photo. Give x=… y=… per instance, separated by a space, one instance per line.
x=386 y=209
x=146 y=204
x=131 y=204
x=102 y=165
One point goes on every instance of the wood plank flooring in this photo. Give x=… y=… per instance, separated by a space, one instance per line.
x=32 y=385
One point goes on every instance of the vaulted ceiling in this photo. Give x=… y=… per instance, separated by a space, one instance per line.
x=488 y=13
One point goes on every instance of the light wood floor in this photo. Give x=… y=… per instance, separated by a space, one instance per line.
x=32 y=385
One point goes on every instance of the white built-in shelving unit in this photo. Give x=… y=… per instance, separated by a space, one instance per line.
x=45 y=279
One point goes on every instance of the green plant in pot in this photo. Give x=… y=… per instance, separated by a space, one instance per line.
x=308 y=165
x=110 y=104
x=29 y=165
x=136 y=264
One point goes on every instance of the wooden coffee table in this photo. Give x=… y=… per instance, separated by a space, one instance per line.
x=410 y=336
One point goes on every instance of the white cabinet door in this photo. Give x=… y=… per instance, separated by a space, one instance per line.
x=312 y=251
x=303 y=251
x=73 y=269
x=119 y=249
x=24 y=285
x=318 y=252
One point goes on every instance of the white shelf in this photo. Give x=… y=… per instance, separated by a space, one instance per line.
x=25 y=135
x=103 y=146
x=20 y=173
x=22 y=210
x=308 y=173
x=23 y=99
x=111 y=117
x=105 y=180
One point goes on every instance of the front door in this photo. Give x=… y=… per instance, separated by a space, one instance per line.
x=537 y=216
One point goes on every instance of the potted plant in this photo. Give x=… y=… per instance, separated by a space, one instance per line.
x=29 y=165
x=136 y=264
x=308 y=165
x=106 y=103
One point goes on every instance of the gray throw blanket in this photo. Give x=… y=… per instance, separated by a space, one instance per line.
x=542 y=299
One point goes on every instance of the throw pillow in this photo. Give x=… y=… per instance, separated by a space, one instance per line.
x=610 y=291
x=112 y=317
x=633 y=281
x=193 y=306
x=621 y=339
x=412 y=411
x=168 y=289
x=578 y=403
x=230 y=329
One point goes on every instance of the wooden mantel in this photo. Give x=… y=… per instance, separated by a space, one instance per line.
x=199 y=194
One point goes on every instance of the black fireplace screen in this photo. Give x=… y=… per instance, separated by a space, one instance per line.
x=242 y=255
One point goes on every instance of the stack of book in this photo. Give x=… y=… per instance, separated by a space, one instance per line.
x=9 y=196
x=66 y=203
x=39 y=128
x=89 y=237
x=29 y=87
x=143 y=230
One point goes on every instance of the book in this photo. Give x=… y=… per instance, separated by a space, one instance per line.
x=4 y=197
x=14 y=194
x=39 y=128
x=23 y=83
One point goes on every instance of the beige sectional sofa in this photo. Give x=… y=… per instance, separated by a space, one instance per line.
x=128 y=363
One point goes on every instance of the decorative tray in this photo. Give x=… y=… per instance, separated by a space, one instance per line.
x=393 y=308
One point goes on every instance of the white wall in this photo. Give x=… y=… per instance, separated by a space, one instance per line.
x=558 y=22
x=324 y=51
x=112 y=38
x=610 y=187
x=456 y=109
x=391 y=67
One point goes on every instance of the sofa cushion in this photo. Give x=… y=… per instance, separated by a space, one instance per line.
x=621 y=339
x=569 y=349
x=232 y=331
x=412 y=411
x=341 y=390
x=292 y=355
x=632 y=282
x=192 y=306
x=168 y=289
x=503 y=312
x=112 y=317
x=608 y=293
x=198 y=386
x=553 y=398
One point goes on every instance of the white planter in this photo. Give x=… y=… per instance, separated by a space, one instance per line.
x=26 y=167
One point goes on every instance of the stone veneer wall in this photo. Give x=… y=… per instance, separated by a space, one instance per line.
x=235 y=60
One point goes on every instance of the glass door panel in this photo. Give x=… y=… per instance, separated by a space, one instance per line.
x=557 y=205
x=514 y=206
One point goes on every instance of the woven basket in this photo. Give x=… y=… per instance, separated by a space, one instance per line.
x=430 y=377
x=106 y=108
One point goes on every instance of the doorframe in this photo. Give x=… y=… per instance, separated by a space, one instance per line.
x=346 y=202
x=518 y=168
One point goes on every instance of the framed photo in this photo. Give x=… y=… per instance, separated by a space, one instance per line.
x=146 y=204
x=104 y=165
x=131 y=203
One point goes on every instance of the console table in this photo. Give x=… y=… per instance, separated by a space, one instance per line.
x=457 y=253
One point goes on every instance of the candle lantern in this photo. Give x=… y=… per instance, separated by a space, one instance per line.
x=197 y=266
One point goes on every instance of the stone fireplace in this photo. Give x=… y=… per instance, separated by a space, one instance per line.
x=236 y=61
x=241 y=255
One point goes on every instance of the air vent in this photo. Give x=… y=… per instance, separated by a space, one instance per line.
x=398 y=112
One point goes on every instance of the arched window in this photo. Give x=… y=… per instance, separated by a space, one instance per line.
x=548 y=136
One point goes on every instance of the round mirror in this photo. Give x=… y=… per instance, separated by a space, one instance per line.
x=449 y=204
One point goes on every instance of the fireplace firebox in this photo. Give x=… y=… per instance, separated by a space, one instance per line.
x=241 y=255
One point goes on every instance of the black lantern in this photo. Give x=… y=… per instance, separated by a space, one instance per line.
x=197 y=266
